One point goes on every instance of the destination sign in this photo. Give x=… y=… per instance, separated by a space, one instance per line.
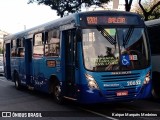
x=111 y=20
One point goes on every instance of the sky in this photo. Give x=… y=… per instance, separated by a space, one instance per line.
x=16 y=15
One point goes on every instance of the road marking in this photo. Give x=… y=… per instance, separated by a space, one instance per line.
x=102 y=115
x=3 y=80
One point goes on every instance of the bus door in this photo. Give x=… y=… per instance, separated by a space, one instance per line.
x=7 y=62
x=70 y=61
x=28 y=61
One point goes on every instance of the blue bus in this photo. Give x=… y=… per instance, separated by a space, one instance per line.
x=153 y=27
x=88 y=57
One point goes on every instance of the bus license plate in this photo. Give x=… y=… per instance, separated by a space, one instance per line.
x=122 y=93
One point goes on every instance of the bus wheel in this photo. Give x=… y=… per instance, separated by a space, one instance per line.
x=57 y=93
x=16 y=81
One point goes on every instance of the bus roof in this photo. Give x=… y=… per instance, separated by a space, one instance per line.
x=42 y=27
x=74 y=18
x=108 y=12
x=154 y=22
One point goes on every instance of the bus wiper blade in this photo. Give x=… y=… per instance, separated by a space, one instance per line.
x=106 y=35
x=128 y=36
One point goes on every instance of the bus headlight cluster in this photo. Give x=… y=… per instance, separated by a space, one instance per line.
x=147 y=78
x=91 y=82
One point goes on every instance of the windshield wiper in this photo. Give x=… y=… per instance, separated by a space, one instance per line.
x=106 y=35
x=128 y=36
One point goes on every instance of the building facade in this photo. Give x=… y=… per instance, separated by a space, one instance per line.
x=2 y=34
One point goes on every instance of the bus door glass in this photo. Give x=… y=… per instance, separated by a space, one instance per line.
x=20 y=58
x=70 y=60
x=28 y=59
x=7 y=61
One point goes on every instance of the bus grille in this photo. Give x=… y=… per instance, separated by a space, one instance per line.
x=122 y=78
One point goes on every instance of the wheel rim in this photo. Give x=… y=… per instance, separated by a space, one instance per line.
x=57 y=92
x=16 y=83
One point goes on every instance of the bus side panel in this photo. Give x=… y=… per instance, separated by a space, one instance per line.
x=38 y=81
x=42 y=72
x=38 y=74
x=22 y=69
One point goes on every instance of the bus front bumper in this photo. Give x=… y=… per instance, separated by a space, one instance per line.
x=88 y=96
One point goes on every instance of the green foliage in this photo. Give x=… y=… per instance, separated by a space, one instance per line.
x=156 y=13
x=149 y=9
x=68 y=6
x=1 y=51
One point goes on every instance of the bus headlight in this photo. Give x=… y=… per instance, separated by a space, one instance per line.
x=91 y=82
x=147 y=78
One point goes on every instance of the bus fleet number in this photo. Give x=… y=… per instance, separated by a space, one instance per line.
x=131 y=83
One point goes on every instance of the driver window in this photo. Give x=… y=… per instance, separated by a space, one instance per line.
x=52 y=46
x=20 y=52
x=38 y=45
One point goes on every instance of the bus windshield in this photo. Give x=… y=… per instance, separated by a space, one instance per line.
x=110 y=49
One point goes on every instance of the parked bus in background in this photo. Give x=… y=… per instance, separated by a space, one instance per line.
x=88 y=57
x=153 y=27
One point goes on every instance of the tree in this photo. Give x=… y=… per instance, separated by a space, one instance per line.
x=68 y=6
x=128 y=4
x=150 y=9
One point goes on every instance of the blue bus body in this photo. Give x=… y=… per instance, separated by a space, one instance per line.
x=55 y=58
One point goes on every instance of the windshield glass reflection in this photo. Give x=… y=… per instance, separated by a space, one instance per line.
x=107 y=49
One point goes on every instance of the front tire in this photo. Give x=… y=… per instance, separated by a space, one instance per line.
x=57 y=93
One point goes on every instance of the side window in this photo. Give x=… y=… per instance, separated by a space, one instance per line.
x=20 y=52
x=20 y=47
x=17 y=47
x=38 y=48
x=52 y=46
x=13 y=48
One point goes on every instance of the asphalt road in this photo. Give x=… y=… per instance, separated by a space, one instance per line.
x=31 y=105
